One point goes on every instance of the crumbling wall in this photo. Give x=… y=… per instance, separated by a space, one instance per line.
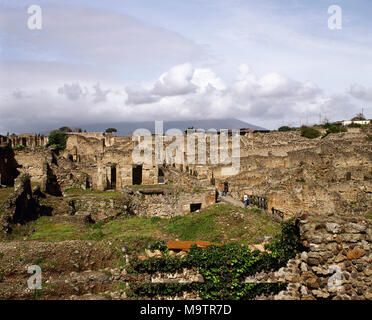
x=32 y=162
x=8 y=166
x=337 y=264
x=21 y=206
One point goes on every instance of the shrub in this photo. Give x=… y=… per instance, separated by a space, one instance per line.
x=160 y=245
x=57 y=139
x=18 y=147
x=111 y=130
x=309 y=132
x=334 y=129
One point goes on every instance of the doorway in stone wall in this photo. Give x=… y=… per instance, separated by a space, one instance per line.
x=161 y=179
x=195 y=207
x=113 y=177
x=137 y=175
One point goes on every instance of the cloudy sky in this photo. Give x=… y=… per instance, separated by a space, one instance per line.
x=267 y=62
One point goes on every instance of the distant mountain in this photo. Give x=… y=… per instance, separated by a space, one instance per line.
x=127 y=128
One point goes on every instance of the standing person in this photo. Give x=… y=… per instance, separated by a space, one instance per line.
x=225 y=187
x=246 y=202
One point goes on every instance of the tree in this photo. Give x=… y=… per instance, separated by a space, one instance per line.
x=65 y=129
x=285 y=128
x=111 y=130
x=57 y=139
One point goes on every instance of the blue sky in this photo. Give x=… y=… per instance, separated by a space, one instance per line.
x=267 y=62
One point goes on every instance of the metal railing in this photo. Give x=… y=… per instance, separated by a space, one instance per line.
x=258 y=201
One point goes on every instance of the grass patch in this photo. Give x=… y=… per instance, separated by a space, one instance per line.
x=217 y=223
x=196 y=226
x=55 y=232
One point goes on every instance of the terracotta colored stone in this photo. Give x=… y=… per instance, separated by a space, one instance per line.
x=355 y=254
x=186 y=245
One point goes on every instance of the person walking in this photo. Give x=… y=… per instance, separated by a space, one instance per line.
x=246 y=202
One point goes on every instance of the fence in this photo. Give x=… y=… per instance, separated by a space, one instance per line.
x=261 y=202
x=258 y=201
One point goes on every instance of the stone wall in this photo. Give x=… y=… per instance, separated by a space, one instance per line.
x=21 y=206
x=170 y=204
x=25 y=140
x=8 y=166
x=337 y=264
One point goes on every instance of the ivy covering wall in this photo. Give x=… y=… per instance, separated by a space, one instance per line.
x=224 y=268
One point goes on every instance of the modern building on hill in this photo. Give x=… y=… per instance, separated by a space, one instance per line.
x=361 y=122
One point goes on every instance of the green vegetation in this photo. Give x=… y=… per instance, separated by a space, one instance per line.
x=334 y=129
x=111 y=130
x=310 y=132
x=286 y=128
x=223 y=268
x=369 y=137
x=19 y=147
x=47 y=230
x=196 y=226
x=57 y=139
x=218 y=223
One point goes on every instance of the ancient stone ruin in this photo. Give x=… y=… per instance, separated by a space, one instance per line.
x=92 y=187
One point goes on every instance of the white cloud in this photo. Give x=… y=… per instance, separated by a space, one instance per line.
x=183 y=92
x=360 y=92
x=177 y=81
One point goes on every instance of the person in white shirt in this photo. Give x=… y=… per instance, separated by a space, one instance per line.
x=246 y=202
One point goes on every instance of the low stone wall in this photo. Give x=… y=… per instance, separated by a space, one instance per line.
x=337 y=264
x=170 y=204
x=100 y=208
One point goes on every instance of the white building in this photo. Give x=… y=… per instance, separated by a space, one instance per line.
x=361 y=122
